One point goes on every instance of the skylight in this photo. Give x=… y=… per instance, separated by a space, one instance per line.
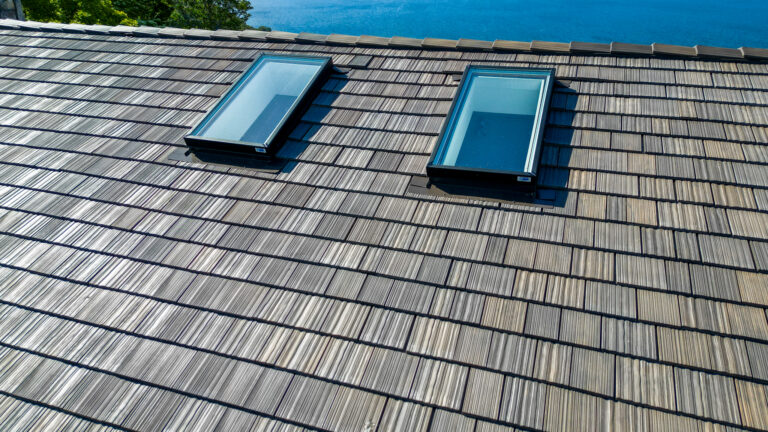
x=495 y=126
x=257 y=112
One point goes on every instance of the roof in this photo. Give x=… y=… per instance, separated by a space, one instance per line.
x=138 y=292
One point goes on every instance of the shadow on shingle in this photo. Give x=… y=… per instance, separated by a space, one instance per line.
x=300 y=137
x=558 y=132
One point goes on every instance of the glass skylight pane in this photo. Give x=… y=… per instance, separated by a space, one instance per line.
x=496 y=122
x=253 y=111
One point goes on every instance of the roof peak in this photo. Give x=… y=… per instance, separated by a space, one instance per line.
x=575 y=47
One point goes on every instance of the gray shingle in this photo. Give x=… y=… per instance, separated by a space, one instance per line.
x=483 y=394
x=644 y=382
x=542 y=321
x=580 y=328
x=523 y=402
x=511 y=353
x=553 y=362
x=714 y=282
x=694 y=393
x=593 y=371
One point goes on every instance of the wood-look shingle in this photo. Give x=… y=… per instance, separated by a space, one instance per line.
x=629 y=294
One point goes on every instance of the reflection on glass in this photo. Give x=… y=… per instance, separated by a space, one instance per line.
x=255 y=108
x=495 y=121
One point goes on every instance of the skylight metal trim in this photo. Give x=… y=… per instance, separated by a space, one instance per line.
x=281 y=131
x=528 y=174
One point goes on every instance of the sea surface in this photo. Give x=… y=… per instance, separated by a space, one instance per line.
x=727 y=23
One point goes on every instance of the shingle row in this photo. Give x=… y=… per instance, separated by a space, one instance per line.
x=614 y=48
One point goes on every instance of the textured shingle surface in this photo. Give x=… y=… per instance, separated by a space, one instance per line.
x=142 y=293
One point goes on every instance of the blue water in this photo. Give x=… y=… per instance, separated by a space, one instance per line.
x=726 y=23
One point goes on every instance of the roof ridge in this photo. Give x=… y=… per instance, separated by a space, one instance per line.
x=574 y=47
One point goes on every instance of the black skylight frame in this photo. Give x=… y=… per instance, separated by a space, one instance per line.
x=523 y=181
x=283 y=129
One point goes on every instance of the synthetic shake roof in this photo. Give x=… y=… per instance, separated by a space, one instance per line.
x=137 y=292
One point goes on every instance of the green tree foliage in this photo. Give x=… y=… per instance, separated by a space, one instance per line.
x=76 y=11
x=93 y=12
x=154 y=13
x=42 y=10
x=210 y=14
x=204 y=14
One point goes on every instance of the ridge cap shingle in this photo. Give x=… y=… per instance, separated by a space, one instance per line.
x=612 y=48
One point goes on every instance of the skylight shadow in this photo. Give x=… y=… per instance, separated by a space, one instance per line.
x=556 y=154
x=301 y=137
